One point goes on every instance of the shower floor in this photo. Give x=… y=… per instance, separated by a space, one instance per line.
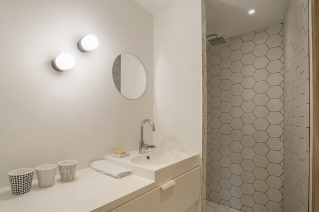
x=214 y=207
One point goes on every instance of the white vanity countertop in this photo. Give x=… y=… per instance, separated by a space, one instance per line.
x=89 y=191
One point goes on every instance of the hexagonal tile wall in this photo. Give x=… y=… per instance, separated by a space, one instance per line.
x=245 y=117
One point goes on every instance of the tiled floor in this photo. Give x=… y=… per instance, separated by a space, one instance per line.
x=214 y=207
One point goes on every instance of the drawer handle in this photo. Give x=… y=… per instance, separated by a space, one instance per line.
x=168 y=185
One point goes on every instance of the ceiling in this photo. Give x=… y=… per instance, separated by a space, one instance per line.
x=229 y=18
x=154 y=6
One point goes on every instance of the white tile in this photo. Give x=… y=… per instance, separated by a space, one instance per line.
x=225 y=52
x=247 y=188
x=236 y=55
x=274 y=41
x=236 y=191
x=261 y=50
x=275 y=117
x=248 y=177
x=261 y=149
x=248 y=165
x=261 y=124
x=274 y=206
x=274 y=169
x=236 y=89
x=248 y=36
x=260 y=198
x=260 y=38
x=275 y=79
x=236 y=66
x=236 y=101
x=261 y=87
x=236 y=124
x=274 y=66
x=236 y=44
x=274 y=182
x=261 y=185
x=261 y=136
x=248 y=70
x=261 y=174
x=225 y=74
x=248 y=82
x=225 y=63
x=248 y=47
x=236 y=78
x=248 y=130
x=261 y=62
x=214 y=49
x=248 y=106
x=275 y=131
x=236 y=158
x=275 y=156
x=215 y=59
x=247 y=200
x=274 y=53
x=248 y=59
x=262 y=99
x=261 y=161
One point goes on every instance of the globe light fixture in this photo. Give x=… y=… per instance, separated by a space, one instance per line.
x=88 y=43
x=63 y=62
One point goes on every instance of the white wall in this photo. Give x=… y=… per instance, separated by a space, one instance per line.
x=48 y=116
x=178 y=77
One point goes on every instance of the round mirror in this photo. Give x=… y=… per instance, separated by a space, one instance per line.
x=129 y=76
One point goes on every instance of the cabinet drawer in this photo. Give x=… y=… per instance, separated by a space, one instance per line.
x=175 y=196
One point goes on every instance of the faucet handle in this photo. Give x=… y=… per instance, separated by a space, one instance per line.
x=149 y=146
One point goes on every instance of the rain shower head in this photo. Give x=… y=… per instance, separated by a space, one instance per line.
x=216 y=41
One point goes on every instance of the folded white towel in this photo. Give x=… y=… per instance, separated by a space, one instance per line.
x=110 y=169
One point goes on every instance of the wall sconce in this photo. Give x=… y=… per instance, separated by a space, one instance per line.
x=88 y=43
x=63 y=62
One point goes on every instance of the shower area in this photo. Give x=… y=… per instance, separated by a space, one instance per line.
x=258 y=118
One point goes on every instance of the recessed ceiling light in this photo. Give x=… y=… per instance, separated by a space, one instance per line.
x=251 y=12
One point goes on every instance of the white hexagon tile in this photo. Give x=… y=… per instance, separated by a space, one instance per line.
x=245 y=122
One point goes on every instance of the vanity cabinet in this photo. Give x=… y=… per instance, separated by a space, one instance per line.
x=176 y=195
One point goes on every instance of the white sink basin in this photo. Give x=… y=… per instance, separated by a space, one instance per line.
x=158 y=157
x=162 y=165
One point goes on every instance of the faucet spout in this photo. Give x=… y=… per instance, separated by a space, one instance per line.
x=142 y=146
x=150 y=121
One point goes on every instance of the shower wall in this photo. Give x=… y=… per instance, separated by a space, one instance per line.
x=296 y=109
x=245 y=121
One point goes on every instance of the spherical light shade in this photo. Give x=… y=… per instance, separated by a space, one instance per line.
x=63 y=62
x=88 y=43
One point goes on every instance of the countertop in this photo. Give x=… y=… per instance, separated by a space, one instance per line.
x=89 y=191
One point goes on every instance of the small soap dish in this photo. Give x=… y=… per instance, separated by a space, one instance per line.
x=121 y=155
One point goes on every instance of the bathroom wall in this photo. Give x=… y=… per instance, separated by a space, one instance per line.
x=245 y=115
x=48 y=116
x=204 y=108
x=296 y=107
x=178 y=77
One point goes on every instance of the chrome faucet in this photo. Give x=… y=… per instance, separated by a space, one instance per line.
x=142 y=146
